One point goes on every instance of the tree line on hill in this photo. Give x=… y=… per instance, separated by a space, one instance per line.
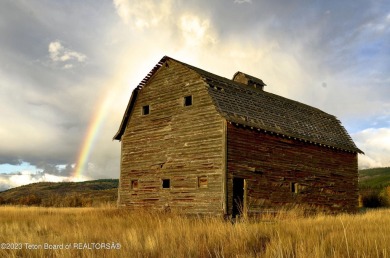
x=73 y=200
x=374 y=191
x=63 y=194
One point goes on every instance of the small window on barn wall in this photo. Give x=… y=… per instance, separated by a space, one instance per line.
x=187 y=101
x=294 y=187
x=202 y=182
x=258 y=171
x=134 y=184
x=166 y=183
x=145 y=110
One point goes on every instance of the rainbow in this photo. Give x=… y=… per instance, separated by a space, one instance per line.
x=91 y=135
x=123 y=71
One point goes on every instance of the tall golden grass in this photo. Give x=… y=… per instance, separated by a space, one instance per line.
x=148 y=234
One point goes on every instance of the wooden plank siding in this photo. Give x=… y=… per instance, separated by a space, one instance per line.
x=324 y=177
x=176 y=142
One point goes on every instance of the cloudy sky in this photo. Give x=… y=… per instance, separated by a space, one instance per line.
x=67 y=69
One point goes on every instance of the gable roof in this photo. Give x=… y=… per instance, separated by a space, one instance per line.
x=261 y=110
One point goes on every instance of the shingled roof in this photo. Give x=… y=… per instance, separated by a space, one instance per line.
x=260 y=110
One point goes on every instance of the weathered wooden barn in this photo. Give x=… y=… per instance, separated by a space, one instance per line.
x=200 y=143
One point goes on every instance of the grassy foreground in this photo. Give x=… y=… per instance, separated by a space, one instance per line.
x=109 y=232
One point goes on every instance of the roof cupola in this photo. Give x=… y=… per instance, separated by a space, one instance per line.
x=249 y=80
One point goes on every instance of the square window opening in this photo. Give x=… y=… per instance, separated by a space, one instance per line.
x=188 y=101
x=258 y=171
x=145 y=110
x=134 y=184
x=166 y=183
x=202 y=182
x=294 y=187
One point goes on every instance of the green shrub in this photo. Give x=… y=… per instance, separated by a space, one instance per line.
x=385 y=195
x=374 y=199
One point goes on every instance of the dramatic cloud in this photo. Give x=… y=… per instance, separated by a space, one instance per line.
x=143 y=14
x=196 y=32
x=376 y=144
x=61 y=61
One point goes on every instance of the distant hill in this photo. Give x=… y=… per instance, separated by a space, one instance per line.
x=105 y=191
x=374 y=177
x=64 y=194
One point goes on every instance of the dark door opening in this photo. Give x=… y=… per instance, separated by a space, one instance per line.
x=238 y=196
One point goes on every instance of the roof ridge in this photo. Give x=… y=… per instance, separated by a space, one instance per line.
x=228 y=82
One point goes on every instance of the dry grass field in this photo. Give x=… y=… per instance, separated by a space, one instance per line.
x=109 y=232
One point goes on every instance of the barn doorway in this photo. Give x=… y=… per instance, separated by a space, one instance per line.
x=239 y=205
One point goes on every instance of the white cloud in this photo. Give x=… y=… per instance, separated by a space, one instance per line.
x=375 y=142
x=68 y=66
x=23 y=178
x=58 y=53
x=368 y=162
x=54 y=50
x=28 y=177
x=380 y=24
x=242 y=1
x=196 y=31
x=123 y=10
x=143 y=14
x=183 y=29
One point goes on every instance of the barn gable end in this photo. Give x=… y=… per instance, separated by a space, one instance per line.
x=172 y=156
